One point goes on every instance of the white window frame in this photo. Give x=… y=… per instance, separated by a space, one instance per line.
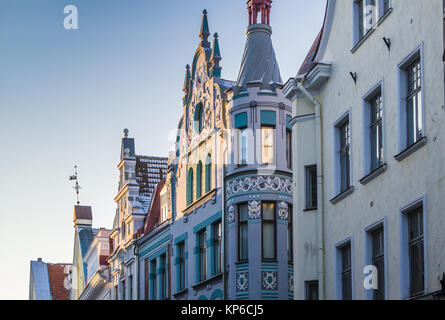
x=369 y=249
x=404 y=246
x=378 y=88
x=336 y=146
x=402 y=93
x=338 y=267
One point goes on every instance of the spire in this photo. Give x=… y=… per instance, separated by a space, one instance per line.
x=259 y=64
x=127 y=147
x=205 y=33
x=216 y=57
x=256 y=7
x=186 y=87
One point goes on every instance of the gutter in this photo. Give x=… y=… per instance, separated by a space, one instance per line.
x=320 y=211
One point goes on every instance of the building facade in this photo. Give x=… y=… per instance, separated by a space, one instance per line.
x=368 y=134
x=138 y=177
x=49 y=281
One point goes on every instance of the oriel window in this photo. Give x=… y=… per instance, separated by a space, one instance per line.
x=269 y=230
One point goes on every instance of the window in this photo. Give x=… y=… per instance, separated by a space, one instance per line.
x=208 y=173
x=414 y=120
x=181 y=265
x=346 y=272
x=217 y=233
x=130 y=287
x=386 y=6
x=269 y=230
x=289 y=235
x=190 y=187
x=199 y=180
x=242 y=146
x=416 y=251
x=199 y=117
x=202 y=238
x=289 y=148
x=311 y=290
x=311 y=187
x=268 y=144
x=373 y=133
x=360 y=7
x=164 y=289
x=243 y=237
x=378 y=260
x=343 y=145
x=124 y=288
x=153 y=290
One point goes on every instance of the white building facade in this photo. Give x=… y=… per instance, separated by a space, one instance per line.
x=369 y=152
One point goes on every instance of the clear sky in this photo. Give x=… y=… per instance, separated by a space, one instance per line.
x=66 y=96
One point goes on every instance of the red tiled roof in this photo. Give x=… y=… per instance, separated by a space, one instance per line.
x=57 y=277
x=154 y=214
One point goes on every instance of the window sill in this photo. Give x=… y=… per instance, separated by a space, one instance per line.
x=270 y=260
x=310 y=209
x=342 y=195
x=371 y=31
x=207 y=282
x=374 y=174
x=411 y=149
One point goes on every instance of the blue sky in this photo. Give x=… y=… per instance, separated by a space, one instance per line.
x=66 y=96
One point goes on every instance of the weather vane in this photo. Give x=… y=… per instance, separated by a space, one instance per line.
x=76 y=187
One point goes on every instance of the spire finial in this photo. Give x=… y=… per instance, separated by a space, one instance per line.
x=259 y=6
x=77 y=186
x=126 y=131
x=216 y=57
x=205 y=33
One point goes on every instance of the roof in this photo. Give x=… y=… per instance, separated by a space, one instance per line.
x=83 y=212
x=308 y=62
x=259 y=62
x=49 y=280
x=57 y=275
x=153 y=217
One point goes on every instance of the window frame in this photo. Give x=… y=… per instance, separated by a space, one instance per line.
x=181 y=265
x=405 y=149
x=202 y=255
x=243 y=136
x=289 y=148
x=339 y=267
x=307 y=285
x=272 y=130
x=270 y=222
x=199 y=180
x=246 y=224
x=217 y=247
x=153 y=282
x=308 y=190
x=405 y=276
x=338 y=190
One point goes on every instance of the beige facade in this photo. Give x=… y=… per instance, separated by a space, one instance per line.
x=352 y=67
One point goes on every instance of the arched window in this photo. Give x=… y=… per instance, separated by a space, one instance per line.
x=190 y=187
x=208 y=173
x=199 y=117
x=199 y=180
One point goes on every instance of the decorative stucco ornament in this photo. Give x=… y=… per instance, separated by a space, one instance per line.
x=290 y=282
x=231 y=214
x=270 y=280
x=283 y=210
x=254 y=209
x=242 y=282
x=259 y=183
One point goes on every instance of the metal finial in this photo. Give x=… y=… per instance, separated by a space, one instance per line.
x=126 y=131
x=77 y=186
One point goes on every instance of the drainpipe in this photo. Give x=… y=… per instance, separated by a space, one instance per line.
x=320 y=210
x=136 y=256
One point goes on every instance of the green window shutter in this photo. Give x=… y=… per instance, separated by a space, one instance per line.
x=190 y=187
x=288 y=125
x=198 y=180
x=268 y=118
x=241 y=120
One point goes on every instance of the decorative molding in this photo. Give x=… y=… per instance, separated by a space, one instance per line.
x=254 y=209
x=231 y=214
x=242 y=281
x=259 y=183
x=270 y=280
x=283 y=210
x=290 y=282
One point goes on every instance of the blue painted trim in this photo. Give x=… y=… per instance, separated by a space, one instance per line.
x=241 y=120
x=166 y=239
x=268 y=117
x=217 y=294
x=241 y=95
x=180 y=238
x=207 y=222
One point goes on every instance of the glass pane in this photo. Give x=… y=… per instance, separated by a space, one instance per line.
x=268 y=145
x=268 y=211
x=243 y=255
x=410 y=124
x=268 y=241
